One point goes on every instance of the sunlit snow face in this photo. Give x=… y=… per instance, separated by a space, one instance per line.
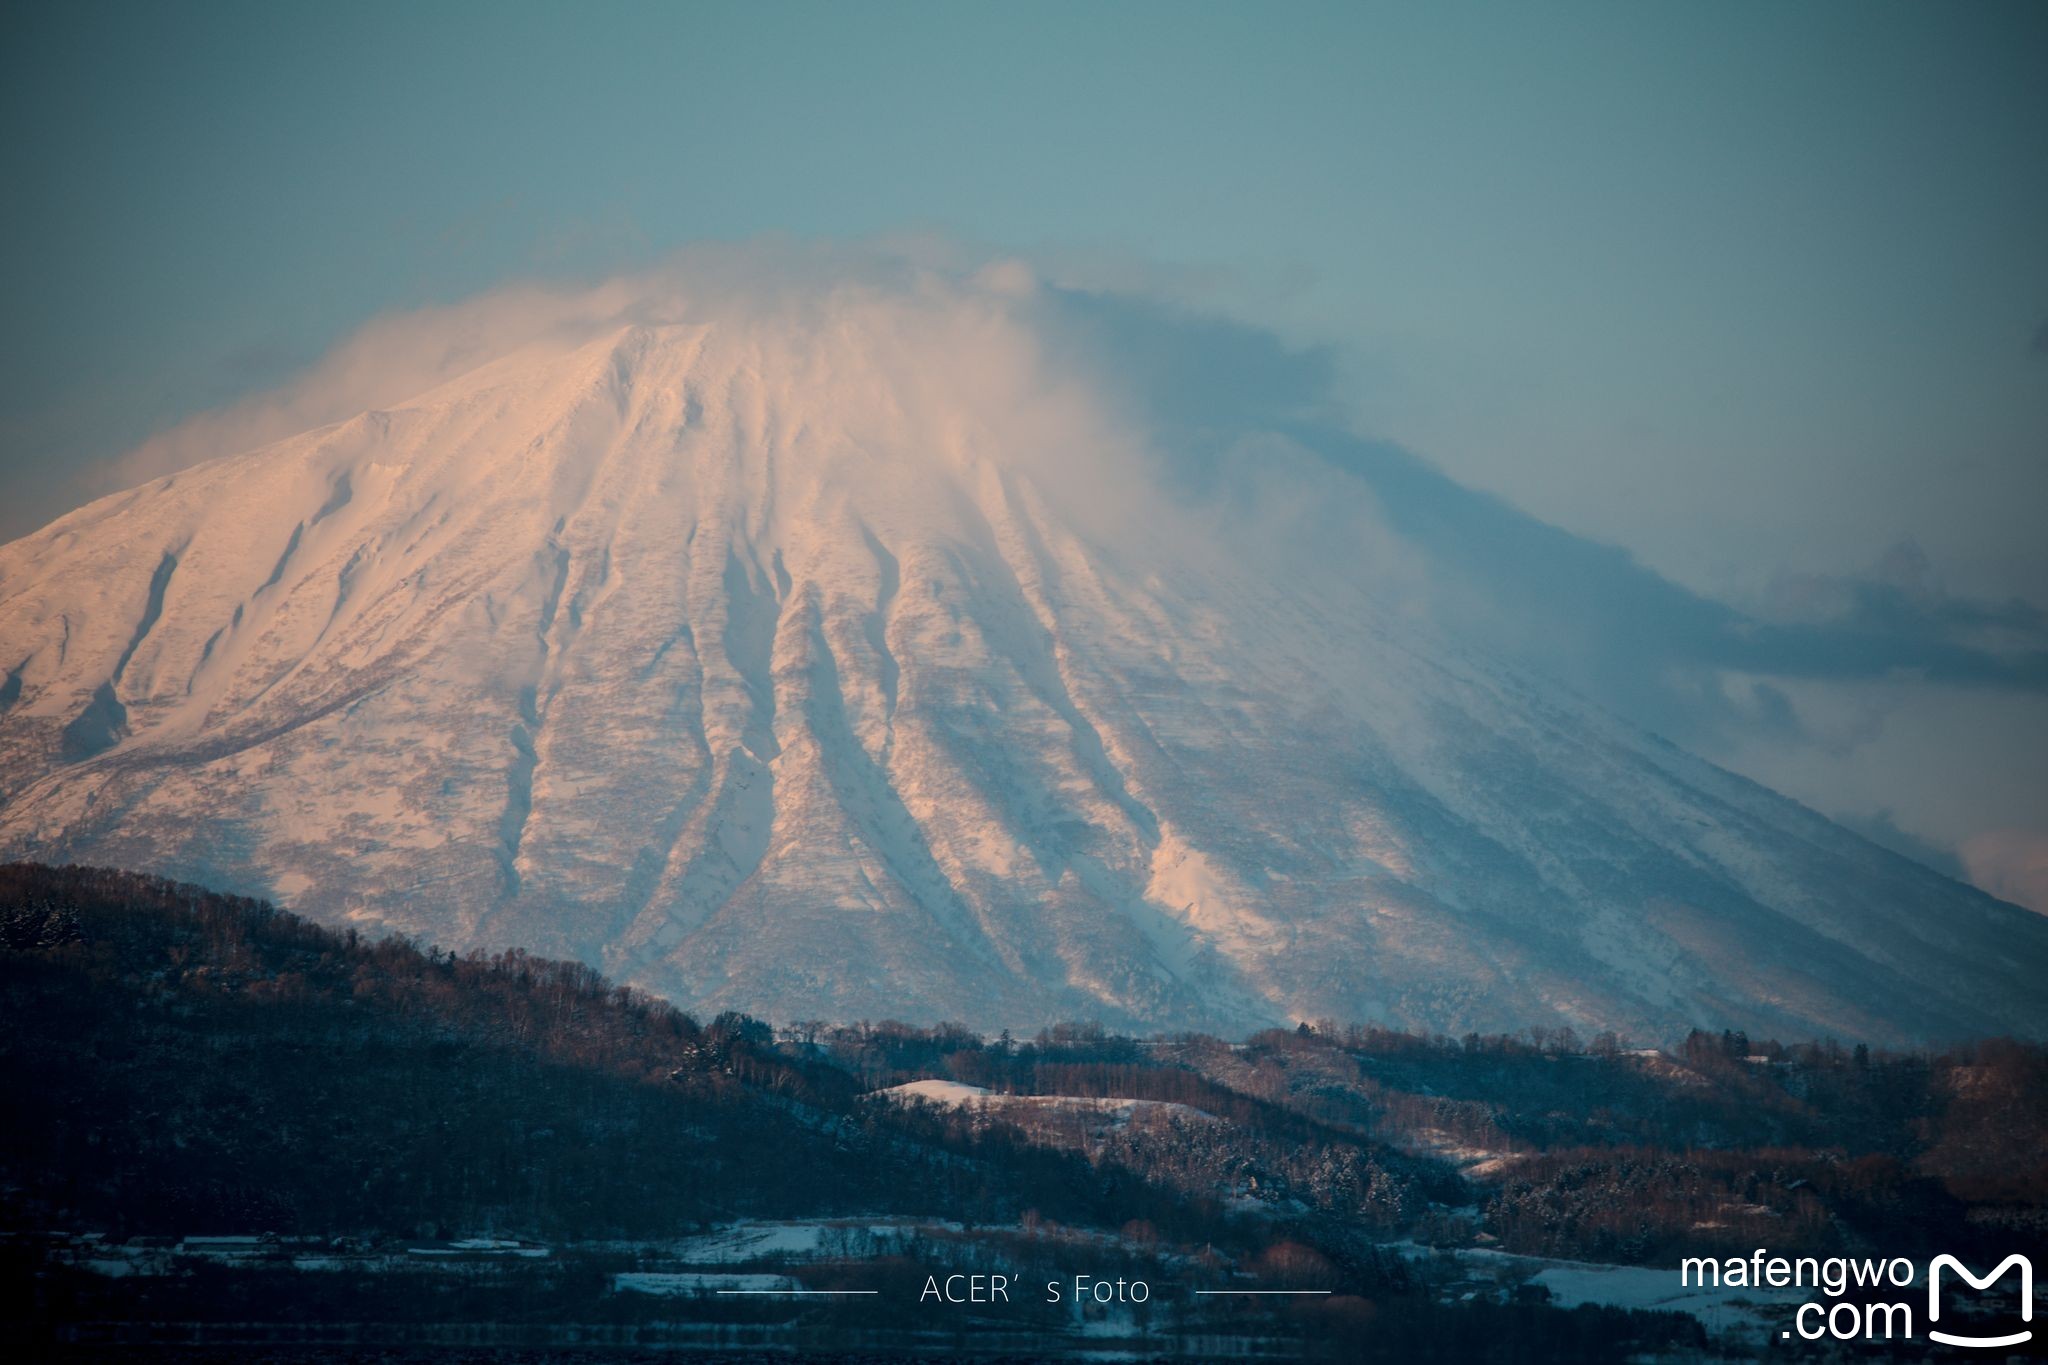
x=1211 y=442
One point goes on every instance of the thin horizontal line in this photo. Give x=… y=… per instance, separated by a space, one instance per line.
x=1262 y=1291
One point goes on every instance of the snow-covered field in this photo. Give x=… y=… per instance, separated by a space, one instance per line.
x=1744 y=1313
x=691 y=1282
x=953 y=1095
x=797 y=1240
x=1740 y=1311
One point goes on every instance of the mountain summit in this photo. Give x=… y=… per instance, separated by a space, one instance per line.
x=848 y=653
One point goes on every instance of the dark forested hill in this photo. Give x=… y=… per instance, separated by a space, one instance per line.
x=180 y=1061
x=179 y=1064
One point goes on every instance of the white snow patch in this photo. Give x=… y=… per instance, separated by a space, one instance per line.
x=693 y=1282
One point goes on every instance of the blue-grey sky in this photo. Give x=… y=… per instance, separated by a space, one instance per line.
x=1756 y=292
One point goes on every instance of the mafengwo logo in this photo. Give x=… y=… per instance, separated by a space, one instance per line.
x=1934 y=1297
x=1954 y=1318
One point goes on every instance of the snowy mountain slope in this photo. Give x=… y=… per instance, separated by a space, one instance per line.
x=841 y=658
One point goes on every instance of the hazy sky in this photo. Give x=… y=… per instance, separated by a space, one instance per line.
x=1757 y=292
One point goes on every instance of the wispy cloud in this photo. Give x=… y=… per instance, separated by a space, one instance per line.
x=2011 y=864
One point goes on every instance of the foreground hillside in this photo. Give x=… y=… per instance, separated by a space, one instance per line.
x=183 y=1066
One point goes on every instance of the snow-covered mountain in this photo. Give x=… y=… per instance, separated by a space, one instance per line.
x=852 y=656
